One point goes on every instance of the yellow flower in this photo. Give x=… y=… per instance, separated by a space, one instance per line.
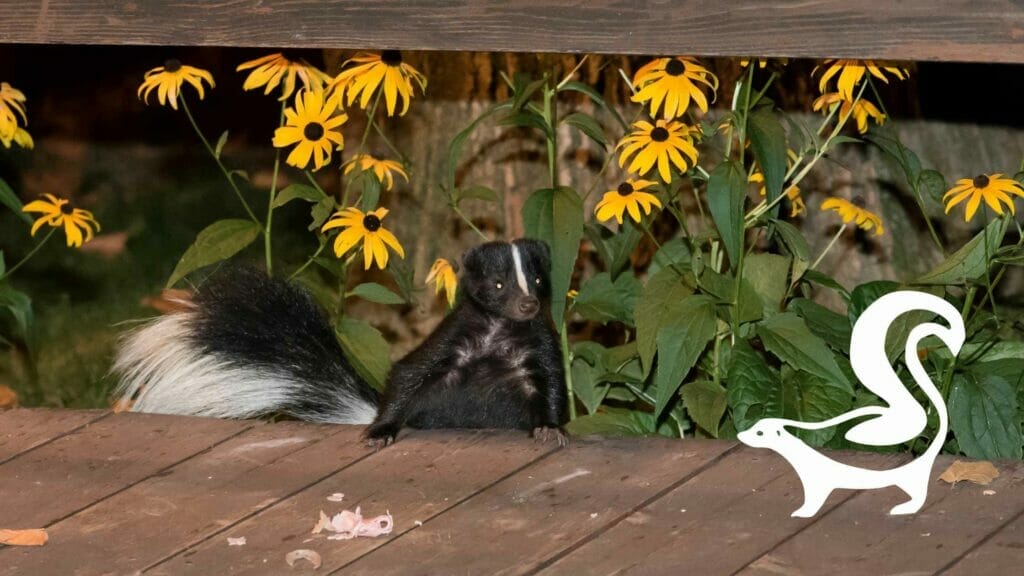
x=572 y=294
x=673 y=82
x=796 y=202
x=21 y=137
x=861 y=110
x=271 y=70
x=442 y=274
x=629 y=196
x=167 y=79
x=992 y=188
x=663 y=143
x=762 y=62
x=370 y=71
x=313 y=127
x=12 y=105
x=851 y=72
x=383 y=169
x=58 y=213
x=851 y=212
x=368 y=228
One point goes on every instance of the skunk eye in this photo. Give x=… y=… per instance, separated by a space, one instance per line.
x=499 y=285
x=537 y=280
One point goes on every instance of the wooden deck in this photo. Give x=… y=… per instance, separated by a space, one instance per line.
x=126 y=493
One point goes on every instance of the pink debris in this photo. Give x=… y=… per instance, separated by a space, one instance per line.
x=348 y=524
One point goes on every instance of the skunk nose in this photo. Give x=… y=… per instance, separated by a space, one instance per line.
x=529 y=305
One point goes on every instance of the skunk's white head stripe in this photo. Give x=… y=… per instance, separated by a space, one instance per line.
x=520 y=277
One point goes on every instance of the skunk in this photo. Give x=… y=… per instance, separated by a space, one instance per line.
x=248 y=346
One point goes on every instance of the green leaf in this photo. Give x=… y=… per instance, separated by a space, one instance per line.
x=755 y=390
x=614 y=248
x=822 y=279
x=556 y=216
x=793 y=239
x=19 y=305
x=602 y=300
x=476 y=192
x=3 y=264
x=768 y=275
x=833 y=328
x=586 y=124
x=320 y=212
x=768 y=141
x=240 y=174
x=618 y=422
x=370 y=186
x=218 y=241
x=690 y=326
x=297 y=192
x=664 y=289
x=529 y=119
x=705 y=402
x=587 y=369
x=582 y=88
x=933 y=184
x=523 y=94
x=726 y=193
x=968 y=264
x=459 y=141
x=366 y=349
x=809 y=398
x=983 y=416
x=375 y=293
x=786 y=335
x=896 y=336
x=674 y=252
x=220 y=144
x=10 y=199
x=886 y=139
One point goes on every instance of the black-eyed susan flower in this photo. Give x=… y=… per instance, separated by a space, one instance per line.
x=628 y=197
x=442 y=274
x=79 y=225
x=860 y=110
x=992 y=188
x=21 y=137
x=669 y=84
x=384 y=170
x=362 y=75
x=851 y=72
x=796 y=202
x=280 y=70
x=762 y=63
x=367 y=228
x=312 y=127
x=851 y=212
x=167 y=81
x=664 y=143
x=12 y=105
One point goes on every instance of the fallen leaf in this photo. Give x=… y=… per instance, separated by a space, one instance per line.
x=8 y=398
x=988 y=492
x=106 y=245
x=240 y=541
x=170 y=300
x=33 y=537
x=981 y=472
x=336 y=497
x=295 y=555
x=348 y=524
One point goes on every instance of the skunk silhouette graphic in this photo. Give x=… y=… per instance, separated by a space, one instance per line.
x=898 y=422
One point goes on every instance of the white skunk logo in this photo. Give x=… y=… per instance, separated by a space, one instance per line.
x=900 y=421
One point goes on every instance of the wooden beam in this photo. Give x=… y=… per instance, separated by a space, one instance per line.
x=948 y=30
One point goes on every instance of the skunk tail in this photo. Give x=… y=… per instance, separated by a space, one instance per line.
x=247 y=346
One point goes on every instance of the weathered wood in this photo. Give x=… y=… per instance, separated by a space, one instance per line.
x=859 y=537
x=192 y=501
x=981 y=30
x=421 y=476
x=714 y=524
x=1000 y=554
x=47 y=484
x=543 y=509
x=22 y=430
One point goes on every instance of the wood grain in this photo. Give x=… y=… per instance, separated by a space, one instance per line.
x=948 y=30
x=22 y=430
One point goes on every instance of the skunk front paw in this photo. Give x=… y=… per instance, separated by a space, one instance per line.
x=545 y=433
x=381 y=434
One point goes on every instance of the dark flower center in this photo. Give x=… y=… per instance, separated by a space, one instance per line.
x=625 y=189
x=313 y=131
x=675 y=67
x=980 y=181
x=66 y=208
x=659 y=134
x=172 y=65
x=391 y=57
x=371 y=223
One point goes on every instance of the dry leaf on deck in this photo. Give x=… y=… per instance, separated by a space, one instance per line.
x=240 y=541
x=34 y=537
x=8 y=397
x=981 y=472
x=348 y=524
x=336 y=497
x=295 y=555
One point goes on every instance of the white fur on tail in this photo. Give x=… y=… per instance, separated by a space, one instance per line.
x=520 y=277
x=163 y=372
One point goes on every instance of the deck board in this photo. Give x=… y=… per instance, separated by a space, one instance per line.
x=128 y=493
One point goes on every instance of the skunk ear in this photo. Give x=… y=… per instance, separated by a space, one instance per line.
x=472 y=260
x=538 y=251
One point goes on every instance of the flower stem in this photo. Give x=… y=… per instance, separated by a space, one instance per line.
x=829 y=247
x=213 y=154
x=29 y=255
x=309 y=261
x=466 y=219
x=270 y=203
x=567 y=369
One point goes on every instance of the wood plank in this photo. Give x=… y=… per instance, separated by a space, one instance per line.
x=1000 y=554
x=167 y=513
x=860 y=537
x=715 y=523
x=544 y=509
x=976 y=31
x=418 y=478
x=22 y=429
x=45 y=485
